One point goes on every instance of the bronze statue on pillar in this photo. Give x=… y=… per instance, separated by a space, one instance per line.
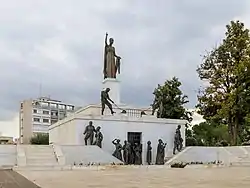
x=111 y=60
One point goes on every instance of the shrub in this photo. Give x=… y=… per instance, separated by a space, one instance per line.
x=40 y=139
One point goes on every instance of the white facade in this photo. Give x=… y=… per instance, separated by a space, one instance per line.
x=70 y=131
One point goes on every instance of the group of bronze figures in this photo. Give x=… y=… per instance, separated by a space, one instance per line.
x=131 y=153
x=91 y=132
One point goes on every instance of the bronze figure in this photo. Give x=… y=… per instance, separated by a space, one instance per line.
x=149 y=153
x=98 y=137
x=89 y=133
x=111 y=66
x=178 y=140
x=160 y=152
x=118 y=149
x=105 y=101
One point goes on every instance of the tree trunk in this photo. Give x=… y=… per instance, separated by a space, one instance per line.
x=230 y=128
x=235 y=131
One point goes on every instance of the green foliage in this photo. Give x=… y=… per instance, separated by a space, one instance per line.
x=191 y=141
x=207 y=134
x=169 y=101
x=226 y=72
x=40 y=139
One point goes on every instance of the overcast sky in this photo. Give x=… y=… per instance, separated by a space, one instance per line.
x=59 y=44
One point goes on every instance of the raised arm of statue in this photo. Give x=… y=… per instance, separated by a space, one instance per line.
x=106 y=39
x=114 y=141
x=105 y=57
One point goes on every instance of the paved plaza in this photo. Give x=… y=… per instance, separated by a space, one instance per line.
x=125 y=177
x=11 y=179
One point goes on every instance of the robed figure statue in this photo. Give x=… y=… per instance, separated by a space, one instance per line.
x=111 y=60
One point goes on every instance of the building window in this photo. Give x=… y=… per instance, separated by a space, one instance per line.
x=53 y=105
x=34 y=111
x=61 y=106
x=45 y=120
x=69 y=107
x=54 y=113
x=21 y=105
x=46 y=112
x=44 y=104
x=36 y=119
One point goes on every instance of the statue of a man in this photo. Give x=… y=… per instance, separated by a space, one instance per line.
x=105 y=101
x=177 y=140
x=110 y=64
x=98 y=137
x=160 y=152
x=89 y=133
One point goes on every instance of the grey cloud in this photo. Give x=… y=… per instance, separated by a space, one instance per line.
x=62 y=48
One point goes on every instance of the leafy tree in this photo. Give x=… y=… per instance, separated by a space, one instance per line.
x=169 y=101
x=226 y=72
x=40 y=139
x=207 y=134
x=210 y=133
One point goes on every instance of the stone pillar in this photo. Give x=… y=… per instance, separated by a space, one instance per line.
x=114 y=86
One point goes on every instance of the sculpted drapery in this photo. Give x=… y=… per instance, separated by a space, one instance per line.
x=111 y=60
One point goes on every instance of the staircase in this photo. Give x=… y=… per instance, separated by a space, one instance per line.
x=40 y=155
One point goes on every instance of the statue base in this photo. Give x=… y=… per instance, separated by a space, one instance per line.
x=114 y=86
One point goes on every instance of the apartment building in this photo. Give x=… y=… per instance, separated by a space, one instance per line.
x=36 y=115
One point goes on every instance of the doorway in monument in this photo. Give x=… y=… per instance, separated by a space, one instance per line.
x=134 y=138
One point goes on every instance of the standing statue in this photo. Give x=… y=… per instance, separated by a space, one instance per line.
x=149 y=153
x=160 y=152
x=132 y=154
x=138 y=153
x=126 y=152
x=105 y=100
x=178 y=140
x=118 y=149
x=98 y=137
x=89 y=133
x=111 y=66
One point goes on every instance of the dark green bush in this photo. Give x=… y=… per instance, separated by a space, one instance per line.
x=40 y=139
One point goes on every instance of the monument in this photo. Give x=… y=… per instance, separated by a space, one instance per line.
x=131 y=125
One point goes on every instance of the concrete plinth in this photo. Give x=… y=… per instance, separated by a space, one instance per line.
x=114 y=86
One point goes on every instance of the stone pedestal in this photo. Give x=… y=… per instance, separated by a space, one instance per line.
x=114 y=86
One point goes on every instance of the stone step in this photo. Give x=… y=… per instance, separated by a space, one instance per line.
x=41 y=159
x=39 y=153
x=40 y=150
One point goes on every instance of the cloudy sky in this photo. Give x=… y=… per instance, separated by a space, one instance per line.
x=59 y=44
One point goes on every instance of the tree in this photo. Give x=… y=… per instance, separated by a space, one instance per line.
x=207 y=134
x=226 y=72
x=40 y=139
x=169 y=101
